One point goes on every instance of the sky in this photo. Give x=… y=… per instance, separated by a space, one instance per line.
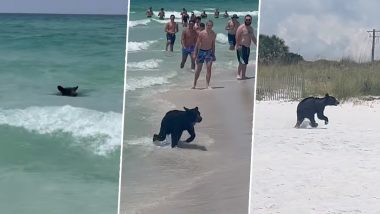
x=65 y=6
x=323 y=29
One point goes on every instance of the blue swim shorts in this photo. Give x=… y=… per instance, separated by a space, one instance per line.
x=205 y=55
x=186 y=51
x=170 y=37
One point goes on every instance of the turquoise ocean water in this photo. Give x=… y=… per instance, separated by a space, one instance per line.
x=151 y=69
x=60 y=154
x=147 y=178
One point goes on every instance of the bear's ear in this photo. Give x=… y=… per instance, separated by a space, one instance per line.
x=326 y=95
x=196 y=108
x=186 y=109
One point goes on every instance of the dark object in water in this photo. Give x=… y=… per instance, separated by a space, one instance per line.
x=68 y=91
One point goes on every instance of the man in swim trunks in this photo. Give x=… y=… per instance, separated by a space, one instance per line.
x=225 y=15
x=244 y=36
x=149 y=12
x=216 y=14
x=203 y=14
x=171 y=28
x=192 y=17
x=161 y=14
x=185 y=18
x=183 y=11
x=205 y=52
x=188 y=41
x=231 y=28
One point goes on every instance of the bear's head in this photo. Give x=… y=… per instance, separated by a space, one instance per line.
x=194 y=114
x=330 y=100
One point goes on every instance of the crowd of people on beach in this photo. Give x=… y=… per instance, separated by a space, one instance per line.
x=198 y=40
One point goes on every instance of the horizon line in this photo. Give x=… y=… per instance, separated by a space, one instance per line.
x=39 y=13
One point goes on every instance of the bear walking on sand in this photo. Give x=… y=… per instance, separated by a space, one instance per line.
x=175 y=122
x=310 y=106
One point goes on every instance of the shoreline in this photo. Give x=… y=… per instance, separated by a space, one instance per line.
x=159 y=179
x=227 y=112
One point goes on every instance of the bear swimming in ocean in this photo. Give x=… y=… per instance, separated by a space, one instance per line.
x=68 y=91
x=175 y=122
x=310 y=106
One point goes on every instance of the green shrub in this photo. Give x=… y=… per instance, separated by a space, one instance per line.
x=344 y=79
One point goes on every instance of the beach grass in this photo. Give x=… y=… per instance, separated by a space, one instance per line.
x=343 y=79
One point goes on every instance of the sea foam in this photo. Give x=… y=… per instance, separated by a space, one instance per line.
x=210 y=14
x=144 y=82
x=101 y=131
x=168 y=13
x=139 y=22
x=137 y=46
x=221 y=38
x=146 y=64
x=147 y=81
x=166 y=20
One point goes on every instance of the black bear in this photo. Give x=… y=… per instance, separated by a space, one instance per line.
x=68 y=91
x=310 y=106
x=175 y=122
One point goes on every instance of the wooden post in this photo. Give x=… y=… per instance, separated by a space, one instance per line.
x=373 y=43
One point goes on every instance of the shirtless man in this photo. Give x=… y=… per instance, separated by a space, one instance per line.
x=216 y=14
x=171 y=28
x=202 y=26
x=149 y=12
x=205 y=52
x=185 y=18
x=161 y=14
x=183 y=11
x=231 y=28
x=192 y=17
x=203 y=14
x=188 y=41
x=225 y=15
x=244 y=36
x=197 y=22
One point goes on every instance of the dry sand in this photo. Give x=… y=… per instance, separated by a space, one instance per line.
x=221 y=174
x=330 y=169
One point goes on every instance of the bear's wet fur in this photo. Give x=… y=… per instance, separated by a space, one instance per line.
x=175 y=122
x=68 y=91
x=310 y=106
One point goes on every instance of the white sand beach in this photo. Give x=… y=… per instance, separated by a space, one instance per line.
x=330 y=169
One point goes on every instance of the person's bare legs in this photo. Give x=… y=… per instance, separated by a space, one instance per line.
x=208 y=74
x=239 y=71
x=197 y=73
x=243 y=70
x=184 y=58
x=192 y=62
x=167 y=45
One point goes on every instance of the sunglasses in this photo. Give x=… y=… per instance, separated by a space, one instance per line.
x=248 y=20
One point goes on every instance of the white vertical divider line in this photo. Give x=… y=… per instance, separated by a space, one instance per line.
x=254 y=106
x=123 y=114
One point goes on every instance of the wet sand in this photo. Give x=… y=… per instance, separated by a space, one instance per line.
x=211 y=181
